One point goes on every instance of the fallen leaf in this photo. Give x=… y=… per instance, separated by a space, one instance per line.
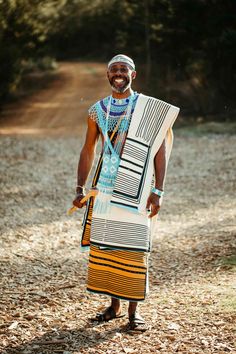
x=174 y=326
x=14 y=325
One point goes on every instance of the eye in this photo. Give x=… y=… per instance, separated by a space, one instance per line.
x=114 y=70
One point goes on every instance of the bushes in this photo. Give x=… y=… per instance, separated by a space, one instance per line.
x=25 y=26
x=187 y=48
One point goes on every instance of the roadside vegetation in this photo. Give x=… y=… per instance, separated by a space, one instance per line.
x=185 y=51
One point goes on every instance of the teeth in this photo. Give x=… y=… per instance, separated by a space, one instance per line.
x=119 y=80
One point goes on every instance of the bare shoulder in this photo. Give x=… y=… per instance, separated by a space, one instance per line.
x=92 y=133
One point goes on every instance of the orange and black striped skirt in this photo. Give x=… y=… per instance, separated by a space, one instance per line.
x=119 y=273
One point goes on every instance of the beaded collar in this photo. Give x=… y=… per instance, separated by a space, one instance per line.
x=118 y=106
x=120 y=101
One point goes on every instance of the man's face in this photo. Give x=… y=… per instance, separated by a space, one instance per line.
x=120 y=77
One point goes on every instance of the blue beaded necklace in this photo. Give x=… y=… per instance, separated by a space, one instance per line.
x=117 y=108
x=123 y=122
x=111 y=154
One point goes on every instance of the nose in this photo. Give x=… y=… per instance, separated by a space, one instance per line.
x=118 y=71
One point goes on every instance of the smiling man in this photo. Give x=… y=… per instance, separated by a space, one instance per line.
x=120 y=75
x=137 y=139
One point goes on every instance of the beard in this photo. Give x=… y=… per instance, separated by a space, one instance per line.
x=122 y=88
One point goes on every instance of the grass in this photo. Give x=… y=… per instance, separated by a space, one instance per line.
x=228 y=261
x=228 y=304
x=198 y=129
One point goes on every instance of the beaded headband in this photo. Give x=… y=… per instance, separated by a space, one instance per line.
x=121 y=58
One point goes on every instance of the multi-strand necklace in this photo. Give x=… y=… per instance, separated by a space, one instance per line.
x=121 y=126
x=111 y=155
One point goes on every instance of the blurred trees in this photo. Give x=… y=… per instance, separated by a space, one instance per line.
x=24 y=27
x=185 y=50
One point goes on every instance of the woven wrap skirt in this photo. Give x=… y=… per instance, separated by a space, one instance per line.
x=119 y=273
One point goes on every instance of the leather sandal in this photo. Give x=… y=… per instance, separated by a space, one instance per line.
x=107 y=315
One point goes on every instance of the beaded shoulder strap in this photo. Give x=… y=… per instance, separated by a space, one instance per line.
x=127 y=111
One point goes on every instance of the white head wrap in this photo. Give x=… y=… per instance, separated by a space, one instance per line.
x=121 y=58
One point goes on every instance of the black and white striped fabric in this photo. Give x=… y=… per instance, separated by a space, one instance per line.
x=126 y=226
x=121 y=229
x=151 y=123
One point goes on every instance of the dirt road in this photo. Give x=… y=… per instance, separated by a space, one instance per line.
x=44 y=307
x=62 y=107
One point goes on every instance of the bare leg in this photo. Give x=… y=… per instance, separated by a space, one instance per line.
x=113 y=311
x=136 y=322
x=132 y=307
x=115 y=304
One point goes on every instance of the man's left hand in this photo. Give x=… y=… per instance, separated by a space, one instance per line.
x=153 y=203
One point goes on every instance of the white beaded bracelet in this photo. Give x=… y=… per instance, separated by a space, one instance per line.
x=158 y=192
x=78 y=186
x=81 y=188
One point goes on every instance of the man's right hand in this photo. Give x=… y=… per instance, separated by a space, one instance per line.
x=77 y=200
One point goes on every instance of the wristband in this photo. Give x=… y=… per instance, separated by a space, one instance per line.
x=158 y=192
x=79 y=188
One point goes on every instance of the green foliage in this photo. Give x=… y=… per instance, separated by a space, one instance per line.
x=230 y=261
x=228 y=304
x=186 y=49
x=24 y=28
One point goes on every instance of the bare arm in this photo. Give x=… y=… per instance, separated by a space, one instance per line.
x=153 y=201
x=160 y=167
x=86 y=159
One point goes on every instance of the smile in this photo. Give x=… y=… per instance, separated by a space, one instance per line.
x=119 y=81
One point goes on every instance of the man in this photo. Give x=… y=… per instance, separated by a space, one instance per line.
x=137 y=139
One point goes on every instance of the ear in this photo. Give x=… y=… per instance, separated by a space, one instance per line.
x=133 y=75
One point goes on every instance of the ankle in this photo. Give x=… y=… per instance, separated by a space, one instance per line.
x=115 y=304
x=131 y=312
x=132 y=308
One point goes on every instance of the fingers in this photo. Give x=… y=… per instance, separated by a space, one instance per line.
x=153 y=204
x=77 y=202
x=154 y=210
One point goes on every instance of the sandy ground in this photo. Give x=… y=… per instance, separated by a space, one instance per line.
x=44 y=307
